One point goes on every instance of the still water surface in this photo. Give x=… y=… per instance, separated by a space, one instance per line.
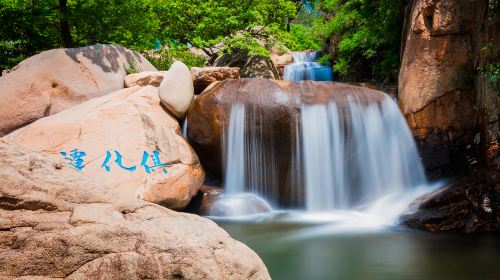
x=298 y=250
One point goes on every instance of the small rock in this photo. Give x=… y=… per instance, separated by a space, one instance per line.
x=177 y=90
x=145 y=78
x=203 y=77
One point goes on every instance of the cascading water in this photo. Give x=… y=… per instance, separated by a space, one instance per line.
x=336 y=151
x=346 y=156
x=357 y=154
x=306 y=68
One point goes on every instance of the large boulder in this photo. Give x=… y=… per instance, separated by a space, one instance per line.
x=177 y=90
x=54 y=80
x=439 y=93
x=272 y=116
x=251 y=66
x=58 y=223
x=204 y=76
x=131 y=122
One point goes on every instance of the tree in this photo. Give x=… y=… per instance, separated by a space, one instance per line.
x=206 y=23
x=65 y=30
x=366 y=35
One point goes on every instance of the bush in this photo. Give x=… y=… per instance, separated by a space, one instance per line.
x=162 y=59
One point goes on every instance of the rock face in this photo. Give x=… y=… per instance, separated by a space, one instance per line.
x=275 y=107
x=131 y=122
x=145 y=78
x=203 y=77
x=54 y=80
x=281 y=60
x=472 y=204
x=57 y=223
x=177 y=90
x=250 y=66
x=443 y=96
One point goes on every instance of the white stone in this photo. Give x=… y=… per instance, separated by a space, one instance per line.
x=177 y=90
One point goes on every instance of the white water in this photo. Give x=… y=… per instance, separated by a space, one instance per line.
x=185 y=127
x=305 y=68
x=234 y=180
x=358 y=164
x=356 y=155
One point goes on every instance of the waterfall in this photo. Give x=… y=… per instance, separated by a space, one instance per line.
x=234 y=181
x=249 y=161
x=305 y=68
x=185 y=127
x=342 y=157
x=357 y=154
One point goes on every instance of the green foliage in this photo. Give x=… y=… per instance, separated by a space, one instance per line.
x=133 y=67
x=245 y=42
x=162 y=59
x=9 y=54
x=131 y=23
x=491 y=71
x=299 y=38
x=33 y=26
x=27 y=27
x=366 y=35
x=207 y=23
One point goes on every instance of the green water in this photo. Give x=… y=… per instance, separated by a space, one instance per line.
x=298 y=251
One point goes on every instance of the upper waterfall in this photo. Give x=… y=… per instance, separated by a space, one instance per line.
x=305 y=67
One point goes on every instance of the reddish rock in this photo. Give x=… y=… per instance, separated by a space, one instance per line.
x=57 y=79
x=441 y=93
x=203 y=77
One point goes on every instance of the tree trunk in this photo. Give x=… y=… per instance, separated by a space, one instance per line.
x=65 y=32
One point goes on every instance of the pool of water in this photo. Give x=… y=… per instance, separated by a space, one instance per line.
x=293 y=249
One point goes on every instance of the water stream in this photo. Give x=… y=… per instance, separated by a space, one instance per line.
x=346 y=159
x=305 y=67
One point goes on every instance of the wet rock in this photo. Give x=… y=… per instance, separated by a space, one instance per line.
x=273 y=110
x=58 y=223
x=203 y=77
x=471 y=204
x=131 y=122
x=58 y=79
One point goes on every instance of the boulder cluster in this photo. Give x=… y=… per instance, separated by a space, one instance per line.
x=92 y=161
